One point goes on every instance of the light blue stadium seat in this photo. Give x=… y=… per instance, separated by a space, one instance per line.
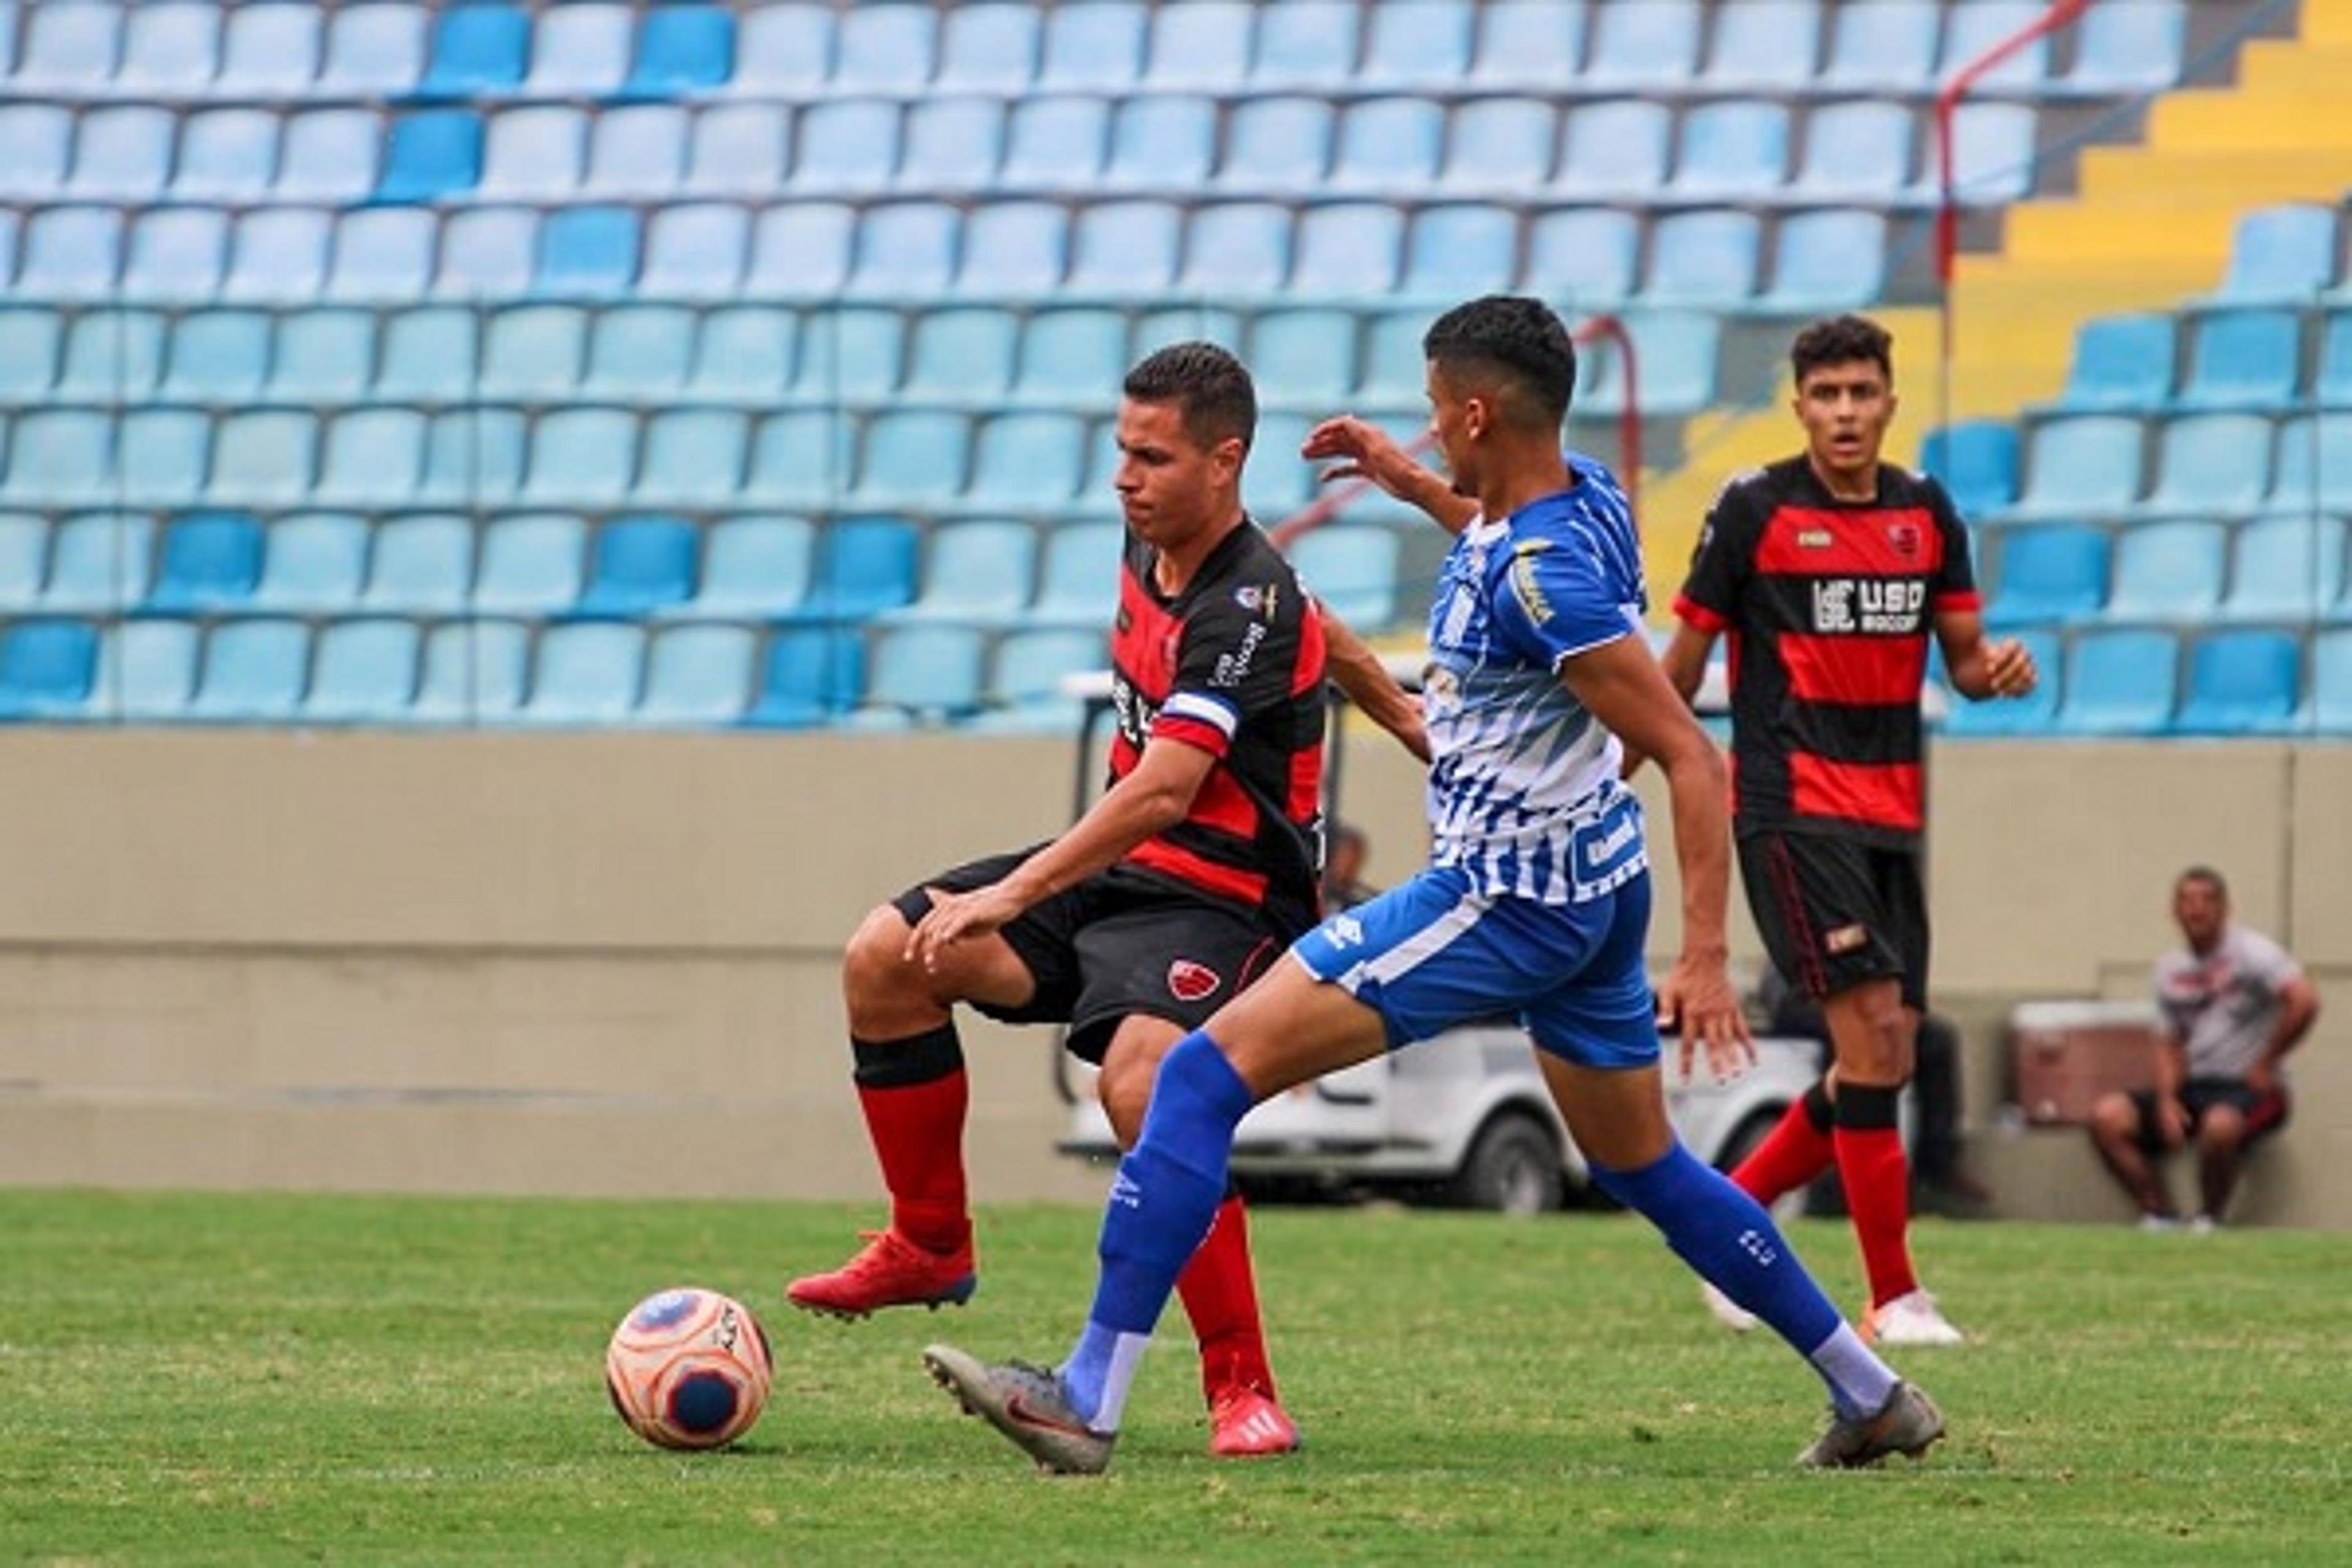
x=989 y=47
x=269 y=52
x=1992 y=157
x=328 y=155
x=1823 y=261
x=963 y=355
x=265 y=457
x=887 y=48
x=1352 y=569
x=2315 y=465
x=487 y=253
x=1733 y=151
x=161 y=456
x=432 y=154
x=363 y=671
x=1240 y=247
x=69 y=51
x=640 y=564
x=311 y=563
x=478 y=50
x=211 y=561
x=2134 y=48
x=122 y=152
x=2119 y=683
x=2331 y=682
x=113 y=355
x=683 y=51
x=1856 y=152
x=1028 y=460
x=474 y=454
x=2244 y=359
x=800 y=460
x=1351 y=250
x=1093 y=46
x=1528 y=45
x=1278 y=481
x=428 y=354
x=1126 y=248
x=1973 y=29
x=218 y=356
x=536 y=152
x=2333 y=386
x=59 y=455
x=146 y=671
x=72 y=253
x=738 y=150
x=2242 y=683
x=913 y=458
x=865 y=565
x=2285 y=569
x=808 y=675
x=930 y=672
x=1077 y=576
x=1067 y=352
x=1305 y=44
x=590 y=252
x=694 y=456
x=753 y=568
x=744 y=351
x=1680 y=351
x=1056 y=145
x=801 y=249
x=531 y=564
x=1582 y=257
x=785 y=50
x=474 y=672
x=382 y=254
x=278 y=254
x=1203 y=46
x=906 y=250
x=1500 y=145
x=1888 y=46
x=226 y=155
x=1765 y=43
x=1976 y=460
x=101 y=561
x=1304 y=357
x=1014 y=250
x=1162 y=143
x=1025 y=671
x=2082 y=467
x=2167 y=572
x=579 y=50
x=254 y=672
x=953 y=144
x=177 y=253
x=2121 y=363
x=24 y=558
x=1156 y=329
x=697 y=676
x=1703 y=258
x=2035 y=714
x=2212 y=465
x=1613 y=147
x=695 y=251
x=852 y=354
x=1276 y=143
x=975 y=573
x=32 y=338
x=1418 y=45
x=1389 y=144
x=35 y=150
x=2057 y=573
x=581 y=455
x=421 y=564
x=533 y=351
x=374 y=457
x=1461 y=252
x=1651 y=46
x=1395 y=372
x=47 y=667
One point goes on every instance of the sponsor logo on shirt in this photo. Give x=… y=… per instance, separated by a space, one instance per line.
x=1868 y=605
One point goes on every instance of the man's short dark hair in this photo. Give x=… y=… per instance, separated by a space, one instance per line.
x=1520 y=342
x=1842 y=339
x=2207 y=875
x=1211 y=389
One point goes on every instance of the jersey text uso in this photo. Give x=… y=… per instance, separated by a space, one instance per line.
x=1234 y=665
x=1829 y=605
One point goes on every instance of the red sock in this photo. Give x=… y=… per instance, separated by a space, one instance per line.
x=1793 y=1153
x=1877 y=1179
x=915 y=1114
x=1221 y=1298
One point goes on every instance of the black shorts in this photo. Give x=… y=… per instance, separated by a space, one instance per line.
x=1834 y=912
x=2265 y=1113
x=1115 y=945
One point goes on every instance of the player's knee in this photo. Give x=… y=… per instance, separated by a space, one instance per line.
x=2114 y=1116
x=2222 y=1131
x=874 y=966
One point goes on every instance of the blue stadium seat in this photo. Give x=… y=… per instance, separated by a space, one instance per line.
x=533 y=351
x=2315 y=465
x=269 y=52
x=531 y=564
x=640 y=564
x=2242 y=683
x=1025 y=671
x=2128 y=49
x=1765 y=43
x=989 y=47
x=695 y=251
x=963 y=355
x=1014 y=250
x=2282 y=255
x=474 y=672
x=373 y=51
x=263 y=456
x=1395 y=372
x=697 y=676
x=363 y=671
x=1028 y=460
x=2333 y=386
x=72 y=253
x=24 y=558
x=101 y=561
x=585 y=673
x=422 y=563
x=2285 y=569
x=212 y=561
x=913 y=458
x=2119 y=683
x=851 y=354
x=1350 y=249
x=886 y=48
x=2212 y=465
x=112 y=356
x=2121 y=363
x=533 y=153
x=31 y=339
x=809 y=677
x=226 y=156
x=1278 y=481
x=169 y=50
x=1205 y=46
x=122 y=152
x=1823 y=261
x=487 y=253
x=1186 y=324
x=930 y=672
x=2244 y=359
x=2057 y=573
x=311 y=563
x=1652 y=46
x=906 y=250
x=35 y=150
x=579 y=455
x=1162 y=143
x=1304 y=357
x=478 y=50
x=382 y=254
x=2082 y=467
x=177 y=253
x=328 y=155
x=753 y=568
x=1389 y=144
x=580 y=50
x=1528 y=45
x=278 y=254
x=784 y=51
x=474 y=454
x=1078 y=577
x=2167 y=572
x=588 y=251
x=1679 y=350
x=683 y=51
x=744 y=351
x=1459 y=252
x=975 y=573
x=867 y=565
x=146 y=670
x=2331 y=682
x=1240 y=247
x=1125 y=248
x=1305 y=44
x=1703 y=258
x=1976 y=461
x=1613 y=147
x=71 y=52
x=1500 y=145
x=2030 y=715
x=374 y=457
x=1583 y=258
x=1067 y=352
x=693 y=457
x=59 y=455
x=218 y=356
x=1056 y=145
x=953 y=144
x=1994 y=157
x=1352 y=569
x=1974 y=29
x=1856 y=152
x=47 y=667
x=848 y=144
x=1418 y=45
x=1093 y=46
x=738 y=150
x=161 y=456
x=1276 y=143
x=254 y=672
x=1732 y=150
x=800 y=459
x=432 y=155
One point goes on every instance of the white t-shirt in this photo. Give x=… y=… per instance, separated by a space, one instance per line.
x=2224 y=1007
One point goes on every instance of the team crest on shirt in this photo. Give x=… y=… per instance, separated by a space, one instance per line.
x=1191 y=982
x=1904 y=538
x=1258 y=599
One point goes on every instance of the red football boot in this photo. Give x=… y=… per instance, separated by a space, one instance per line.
x=1246 y=1425
x=889 y=1272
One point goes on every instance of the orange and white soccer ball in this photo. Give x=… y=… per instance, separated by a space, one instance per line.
x=689 y=1368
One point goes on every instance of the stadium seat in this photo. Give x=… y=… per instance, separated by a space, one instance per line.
x=639 y=566
x=382 y=254
x=1457 y=253
x=32 y=338
x=1614 y=147
x=176 y=254
x=913 y=458
x=1276 y=143
x=122 y=152
x=254 y=672
x=1394 y=370
x=311 y=563
x=2315 y=465
x=975 y=573
x=363 y=671
x=989 y=47
x=1389 y=144
x=428 y=355
x=695 y=251
x=636 y=150
x=580 y=50
x=963 y=355
x=1650 y=47
x=2212 y=465
x=1014 y=250
x=2127 y=50
x=886 y=48
x=1056 y=145
x=373 y=51
x=2333 y=386
x=72 y=253
x=1277 y=482
x=278 y=254
x=738 y=150
x=217 y=356
x=1583 y=258
x=641 y=351
x=1703 y=258
x=1067 y=354
x=1124 y=249
x=1771 y=45
x=35 y=150
x=2030 y=715
x=101 y=562
x=1237 y=248
x=262 y=457
x=1528 y=45
x=1994 y=157
x=474 y=454
x=753 y=568
x=1974 y=29
x=905 y=250
x=269 y=52
x=1976 y=460
x=930 y=672
x=1162 y=143
x=1352 y=569
x=2119 y=683
x=146 y=670
x=809 y=676
x=1679 y=350
x=697 y=676
x=683 y=51
x=1305 y=358
x=1823 y=261
x=867 y=565
x=1028 y=460
x=59 y=455
x=534 y=152
x=374 y=457
x=2242 y=683
x=1077 y=578
x=1732 y=150
x=487 y=253
x=784 y=51
x=47 y=667
x=851 y=354
x=2244 y=359
x=2281 y=255
x=954 y=145
x=1305 y=44
x=533 y=351
x=421 y=564
x=226 y=155
x=532 y=565
x=2167 y=572
x=24 y=558
x=693 y=457
x=478 y=50
x=1499 y=146
x=69 y=51
x=211 y=561
x=474 y=671
x=161 y=456
x=582 y=456
x=432 y=155
x=1349 y=250
x=585 y=673
x=2285 y=569
x=1093 y=46
x=2121 y=363
x=1858 y=151
x=1421 y=46
x=1025 y=671
x=848 y=145
x=2082 y=466
x=1201 y=47
x=744 y=351
x=2331 y=682
x=588 y=251
x=112 y=354
x=800 y=459
x=2054 y=574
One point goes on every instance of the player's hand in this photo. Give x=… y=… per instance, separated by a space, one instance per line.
x=1698 y=998
x=957 y=917
x=2261 y=1078
x=2171 y=1120
x=2008 y=668
x=1364 y=451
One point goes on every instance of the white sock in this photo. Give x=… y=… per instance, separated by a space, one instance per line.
x=1860 y=1383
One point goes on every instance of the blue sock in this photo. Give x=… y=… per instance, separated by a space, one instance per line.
x=1162 y=1202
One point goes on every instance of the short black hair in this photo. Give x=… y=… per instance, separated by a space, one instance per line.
x=1842 y=339
x=1521 y=340
x=1211 y=389
x=2207 y=875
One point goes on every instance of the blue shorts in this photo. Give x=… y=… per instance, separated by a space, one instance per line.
x=1436 y=953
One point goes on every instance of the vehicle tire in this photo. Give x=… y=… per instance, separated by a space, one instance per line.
x=1513 y=1167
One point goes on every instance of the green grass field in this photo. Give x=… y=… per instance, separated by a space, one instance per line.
x=209 y=1379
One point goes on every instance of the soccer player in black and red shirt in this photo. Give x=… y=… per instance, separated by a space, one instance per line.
x=1827 y=572
x=1195 y=868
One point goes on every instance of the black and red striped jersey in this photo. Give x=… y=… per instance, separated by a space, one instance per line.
x=1828 y=605
x=1232 y=665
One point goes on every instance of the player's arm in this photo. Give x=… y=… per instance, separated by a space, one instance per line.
x=1357 y=671
x=1367 y=452
x=2298 y=1010
x=1684 y=664
x=1983 y=667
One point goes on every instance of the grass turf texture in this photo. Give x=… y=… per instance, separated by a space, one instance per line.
x=192 y=1378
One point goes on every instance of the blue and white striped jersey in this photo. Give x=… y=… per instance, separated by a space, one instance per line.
x=1524 y=794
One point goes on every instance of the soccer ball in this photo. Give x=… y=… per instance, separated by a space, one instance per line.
x=688 y=1369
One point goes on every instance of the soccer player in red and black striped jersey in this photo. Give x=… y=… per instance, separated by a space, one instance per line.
x=1827 y=573
x=1195 y=868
